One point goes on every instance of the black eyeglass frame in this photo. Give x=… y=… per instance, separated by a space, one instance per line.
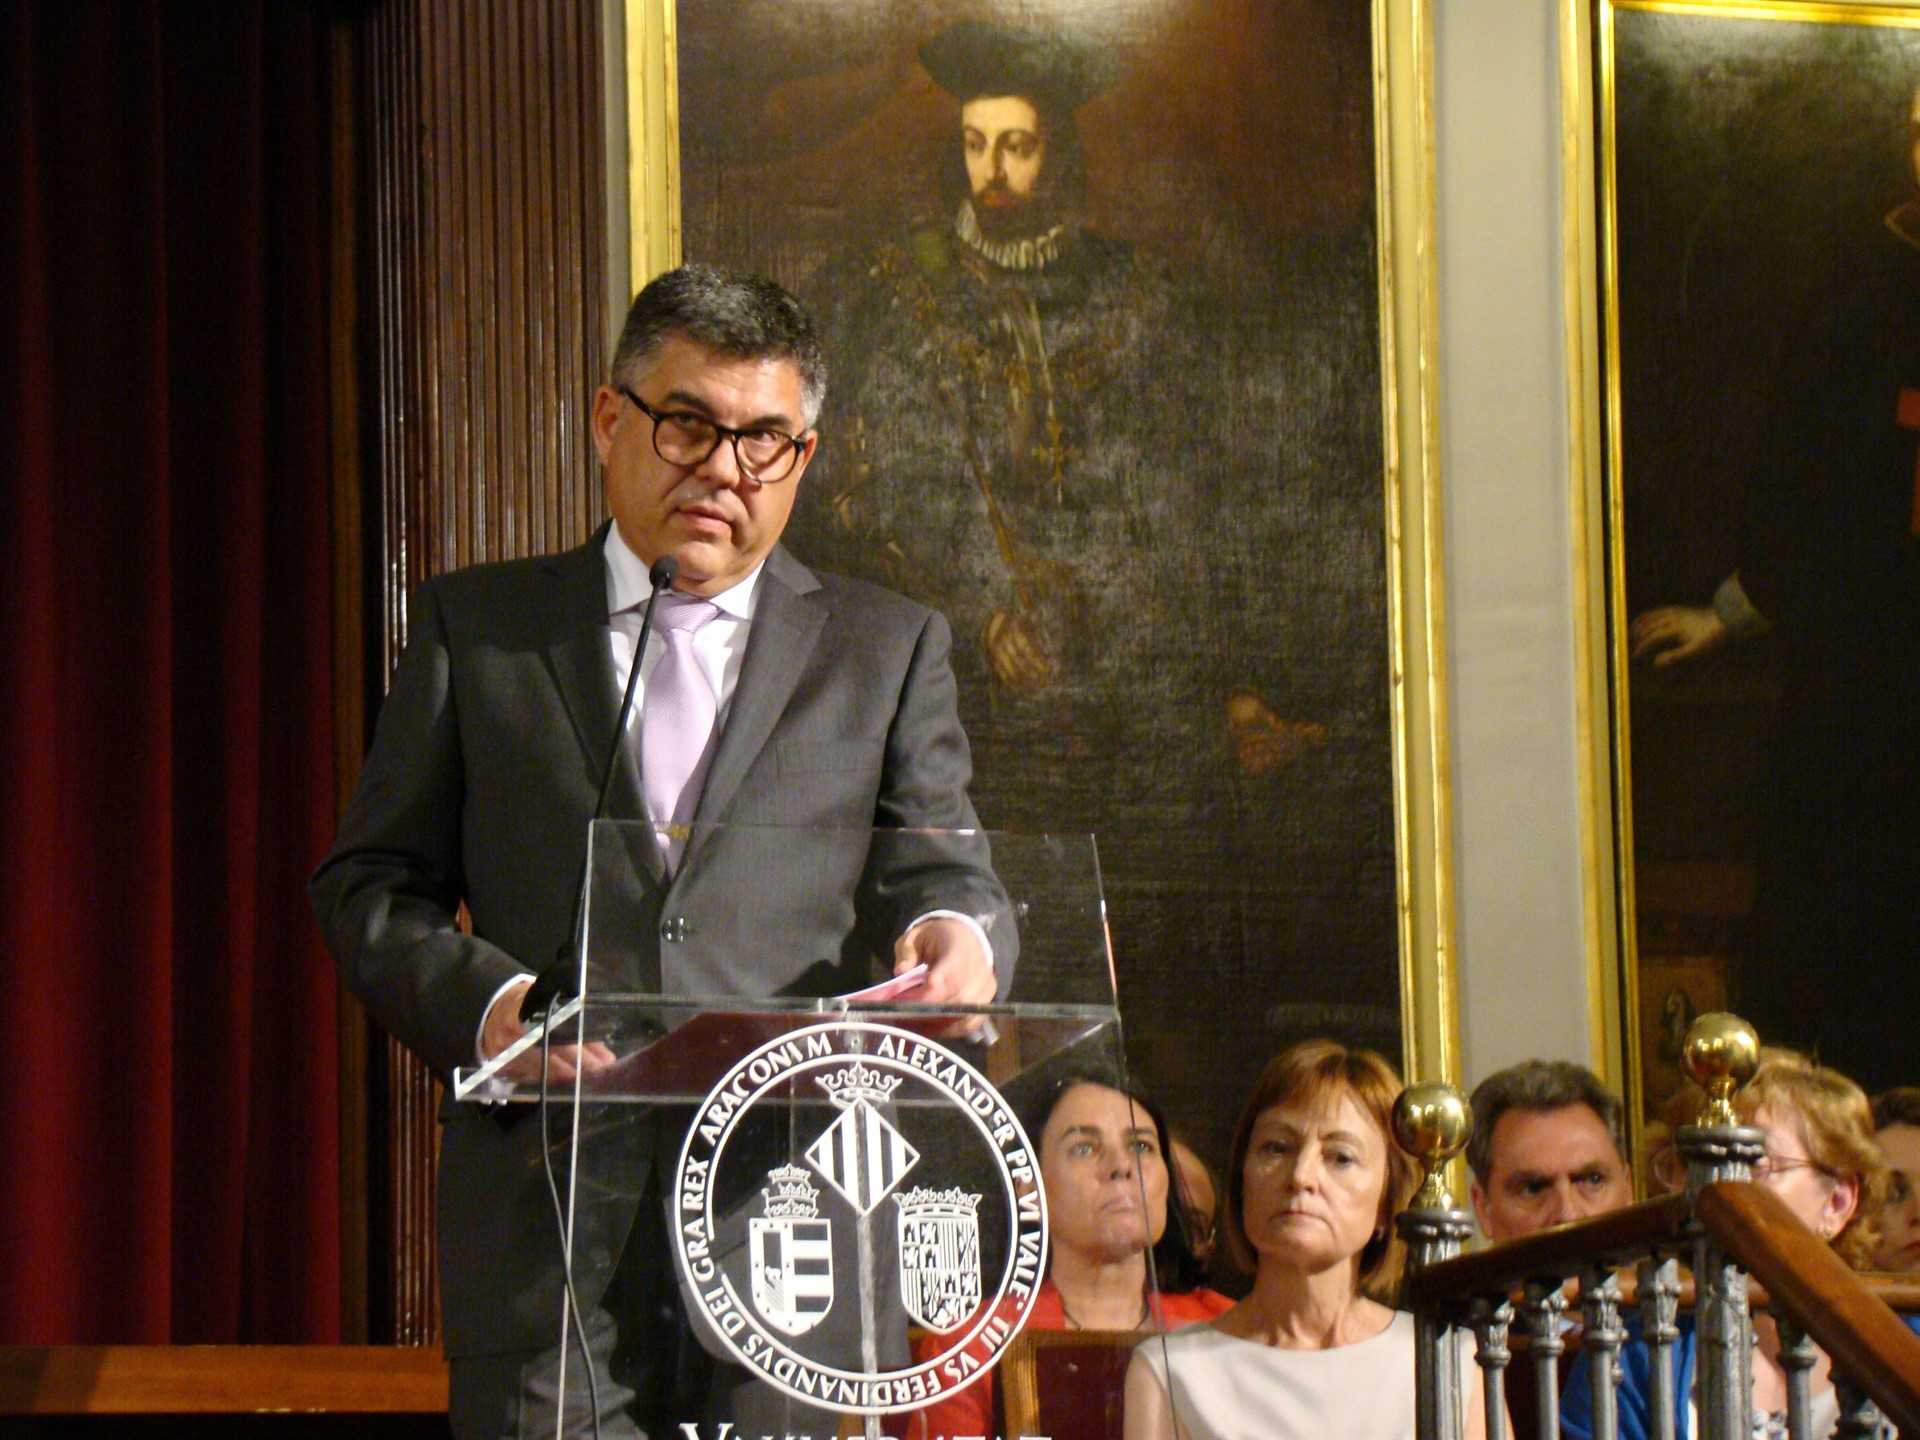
x=721 y=432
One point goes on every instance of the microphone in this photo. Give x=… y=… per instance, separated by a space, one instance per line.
x=557 y=980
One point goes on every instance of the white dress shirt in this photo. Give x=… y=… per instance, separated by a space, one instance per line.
x=718 y=646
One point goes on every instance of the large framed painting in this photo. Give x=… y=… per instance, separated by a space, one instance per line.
x=1104 y=291
x=1761 y=205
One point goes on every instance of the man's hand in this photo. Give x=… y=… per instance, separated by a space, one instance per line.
x=503 y=1027
x=1677 y=634
x=958 y=971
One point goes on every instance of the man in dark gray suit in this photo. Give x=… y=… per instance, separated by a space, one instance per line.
x=834 y=709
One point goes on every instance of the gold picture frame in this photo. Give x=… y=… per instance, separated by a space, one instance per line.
x=1402 y=100
x=1745 y=159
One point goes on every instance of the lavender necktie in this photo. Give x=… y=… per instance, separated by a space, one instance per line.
x=676 y=730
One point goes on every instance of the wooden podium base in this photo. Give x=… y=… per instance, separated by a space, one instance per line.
x=222 y=1390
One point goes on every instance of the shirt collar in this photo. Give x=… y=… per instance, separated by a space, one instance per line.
x=628 y=585
x=1027 y=252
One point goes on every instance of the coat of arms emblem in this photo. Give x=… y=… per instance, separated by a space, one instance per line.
x=939 y=1257
x=861 y=1154
x=792 y=1254
x=961 y=1251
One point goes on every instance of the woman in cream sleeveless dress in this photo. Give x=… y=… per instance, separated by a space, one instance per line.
x=1312 y=1189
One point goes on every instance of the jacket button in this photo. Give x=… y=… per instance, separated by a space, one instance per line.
x=674 y=929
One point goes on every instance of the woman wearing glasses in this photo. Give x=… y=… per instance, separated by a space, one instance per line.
x=1821 y=1161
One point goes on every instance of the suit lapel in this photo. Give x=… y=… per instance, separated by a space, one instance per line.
x=787 y=620
x=583 y=669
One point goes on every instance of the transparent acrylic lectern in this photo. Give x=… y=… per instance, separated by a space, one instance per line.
x=840 y=1172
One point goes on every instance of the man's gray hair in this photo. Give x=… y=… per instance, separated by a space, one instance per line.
x=1539 y=1085
x=738 y=315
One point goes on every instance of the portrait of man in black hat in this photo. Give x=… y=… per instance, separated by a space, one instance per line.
x=1099 y=285
x=1010 y=331
x=1021 y=176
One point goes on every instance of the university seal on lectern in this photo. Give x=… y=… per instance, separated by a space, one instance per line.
x=806 y=1253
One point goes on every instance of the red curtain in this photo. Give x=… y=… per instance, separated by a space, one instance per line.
x=168 y=1073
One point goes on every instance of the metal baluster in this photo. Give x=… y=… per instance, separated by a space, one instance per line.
x=1540 y=1316
x=1600 y=1310
x=1491 y=1318
x=1723 y=1346
x=1860 y=1418
x=1431 y=1123
x=1721 y=1053
x=1797 y=1356
x=1660 y=1327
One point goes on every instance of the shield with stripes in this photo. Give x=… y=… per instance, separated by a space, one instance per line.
x=792 y=1272
x=862 y=1156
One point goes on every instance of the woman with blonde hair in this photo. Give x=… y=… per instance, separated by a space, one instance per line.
x=1821 y=1161
x=1316 y=1349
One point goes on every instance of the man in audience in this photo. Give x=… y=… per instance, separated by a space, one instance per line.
x=1548 y=1147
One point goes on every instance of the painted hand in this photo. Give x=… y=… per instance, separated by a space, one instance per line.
x=1677 y=634
x=1018 y=655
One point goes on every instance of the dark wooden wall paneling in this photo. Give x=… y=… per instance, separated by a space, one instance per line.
x=483 y=197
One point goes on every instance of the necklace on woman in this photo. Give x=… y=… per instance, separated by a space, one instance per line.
x=1073 y=1322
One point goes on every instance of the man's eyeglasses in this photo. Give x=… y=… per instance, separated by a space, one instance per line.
x=680 y=437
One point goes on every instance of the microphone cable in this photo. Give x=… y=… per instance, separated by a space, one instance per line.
x=566 y=1247
x=544 y=996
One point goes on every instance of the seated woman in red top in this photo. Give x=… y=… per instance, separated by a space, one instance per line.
x=1103 y=1162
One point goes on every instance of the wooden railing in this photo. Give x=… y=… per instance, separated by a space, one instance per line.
x=1814 y=1289
x=1746 y=1250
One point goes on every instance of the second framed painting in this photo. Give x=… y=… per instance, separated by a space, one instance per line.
x=1761 y=191
x=1101 y=293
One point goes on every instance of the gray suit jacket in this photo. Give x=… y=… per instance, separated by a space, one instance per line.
x=480 y=786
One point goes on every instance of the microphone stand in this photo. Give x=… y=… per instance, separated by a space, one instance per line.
x=559 y=981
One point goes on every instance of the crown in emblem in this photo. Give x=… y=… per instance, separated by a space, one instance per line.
x=859 y=1081
x=924 y=1201
x=791 y=1196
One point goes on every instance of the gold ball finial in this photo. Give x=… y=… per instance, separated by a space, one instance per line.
x=1431 y=1122
x=1720 y=1054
